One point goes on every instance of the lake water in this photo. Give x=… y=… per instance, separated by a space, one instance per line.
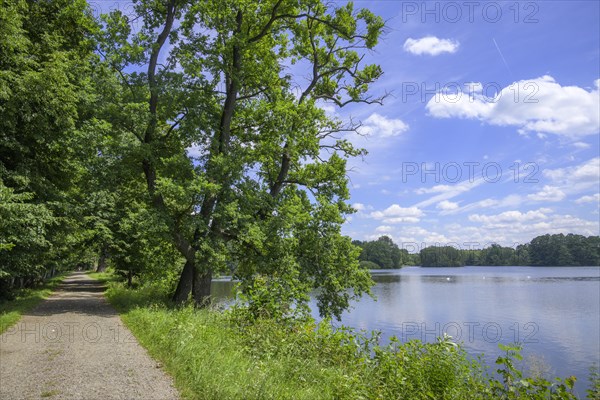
x=553 y=311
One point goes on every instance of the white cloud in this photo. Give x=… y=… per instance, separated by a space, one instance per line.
x=548 y=193
x=447 y=205
x=581 y=145
x=587 y=172
x=329 y=109
x=589 y=199
x=435 y=189
x=508 y=229
x=396 y=214
x=524 y=227
x=379 y=126
x=512 y=200
x=448 y=191
x=539 y=105
x=510 y=216
x=359 y=206
x=430 y=45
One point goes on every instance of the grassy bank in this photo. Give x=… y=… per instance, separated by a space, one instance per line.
x=25 y=300
x=221 y=355
x=104 y=277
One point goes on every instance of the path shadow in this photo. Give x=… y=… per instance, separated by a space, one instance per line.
x=77 y=294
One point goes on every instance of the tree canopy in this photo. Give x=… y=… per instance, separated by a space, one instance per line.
x=45 y=97
x=382 y=253
x=188 y=138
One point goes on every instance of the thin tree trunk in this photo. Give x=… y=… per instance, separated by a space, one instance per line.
x=102 y=261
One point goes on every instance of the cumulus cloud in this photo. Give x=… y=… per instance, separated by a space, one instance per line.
x=435 y=189
x=522 y=227
x=430 y=45
x=359 y=206
x=384 y=229
x=447 y=205
x=581 y=145
x=548 y=193
x=329 y=109
x=380 y=126
x=396 y=214
x=508 y=229
x=511 y=216
x=539 y=105
x=586 y=172
x=589 y=199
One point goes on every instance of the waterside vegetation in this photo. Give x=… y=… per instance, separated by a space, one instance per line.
x=227 y=355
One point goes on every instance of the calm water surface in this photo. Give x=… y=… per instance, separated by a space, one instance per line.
x=553 y=311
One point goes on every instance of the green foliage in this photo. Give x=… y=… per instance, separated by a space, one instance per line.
x=383 y=252
x=545 y=250
x=45 y=62
x=369 y=265
x=23 y=235
x=594 y=390
x=515 y=386
x=562 y=249
x=441 y=256
x=265 y=192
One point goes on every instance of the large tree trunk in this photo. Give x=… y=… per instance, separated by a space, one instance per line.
x=196 y=282
x=184 y=286
x=201 y=290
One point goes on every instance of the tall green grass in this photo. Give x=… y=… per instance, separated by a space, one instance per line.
x=25 y=300
x=222 y=355
x=209 y=358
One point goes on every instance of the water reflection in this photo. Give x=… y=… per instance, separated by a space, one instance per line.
x=222 y=289
x=387 y=278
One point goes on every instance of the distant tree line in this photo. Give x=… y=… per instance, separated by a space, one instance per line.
x=545 y=250
x=383 y=253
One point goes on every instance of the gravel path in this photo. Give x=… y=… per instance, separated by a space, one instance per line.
x=74 y=346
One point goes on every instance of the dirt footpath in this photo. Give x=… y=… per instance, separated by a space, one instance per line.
x=74 y=346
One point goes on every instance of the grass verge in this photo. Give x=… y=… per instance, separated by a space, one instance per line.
x=104 y=277
x=25 y=300
x=209 y=358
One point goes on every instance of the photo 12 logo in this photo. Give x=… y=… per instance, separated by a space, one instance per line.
x=525 y=12
x=54 y=332
x=525 y=92
x=454 y=172
x=471 y=332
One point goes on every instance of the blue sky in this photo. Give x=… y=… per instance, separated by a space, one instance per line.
x=491 y=134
